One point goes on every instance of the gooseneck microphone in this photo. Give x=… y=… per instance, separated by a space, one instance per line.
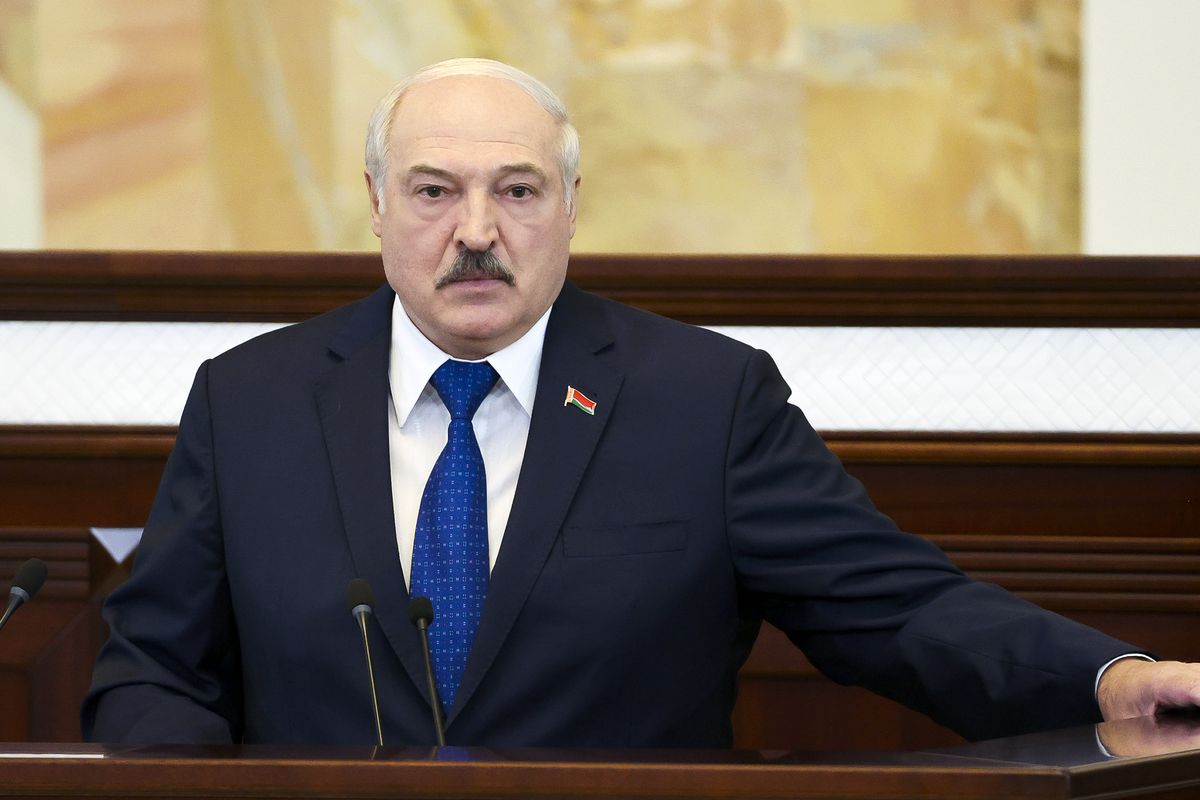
x=360 y=601
x=25 y=585
x=420 y=612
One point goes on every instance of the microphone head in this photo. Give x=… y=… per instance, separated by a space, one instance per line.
x=30 y=577
x=358 y=593
x=420 y=608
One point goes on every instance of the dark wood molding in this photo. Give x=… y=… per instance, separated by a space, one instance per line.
x=967 y=447
x=1116 y=574
x=86 y=441
x=706 y=289
x=998 y=770
x=66 y=551
x=853 y=447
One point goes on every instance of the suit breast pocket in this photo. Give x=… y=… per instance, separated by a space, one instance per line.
x=625 y=540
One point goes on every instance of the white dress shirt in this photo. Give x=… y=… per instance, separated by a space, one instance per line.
x=418 y=421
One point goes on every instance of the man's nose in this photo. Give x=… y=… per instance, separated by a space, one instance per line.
x=477 y=227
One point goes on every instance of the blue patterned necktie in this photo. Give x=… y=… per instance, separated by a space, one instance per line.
x=450 y=550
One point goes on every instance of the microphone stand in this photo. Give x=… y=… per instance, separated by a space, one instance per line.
x=439 y=723
x=360 y=613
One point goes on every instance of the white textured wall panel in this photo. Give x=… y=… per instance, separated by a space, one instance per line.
x=106 y=373
x=976 y=379
x=989 y=379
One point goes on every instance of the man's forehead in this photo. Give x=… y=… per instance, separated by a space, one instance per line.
x=473 y=118
x=490 y=155
x=474 y=103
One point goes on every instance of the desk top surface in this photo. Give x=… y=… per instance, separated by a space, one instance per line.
x=1138 y=758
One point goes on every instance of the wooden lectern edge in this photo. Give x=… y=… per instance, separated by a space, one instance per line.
x=502 y=778
x=986 y=771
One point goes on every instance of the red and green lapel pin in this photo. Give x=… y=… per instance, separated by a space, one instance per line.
x=580 y=400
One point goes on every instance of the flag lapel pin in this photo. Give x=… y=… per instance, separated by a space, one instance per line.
x=580 y=400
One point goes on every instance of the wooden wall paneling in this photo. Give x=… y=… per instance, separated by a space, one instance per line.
x=1009 y=499
x=102 y=476
x=1013 y=484
x=60 y=674
x=66 y=553
x=48 y=646
x=1102 y=528
x=707 y=289
x=79 y=569
x=784 y=703
x=1100 y=574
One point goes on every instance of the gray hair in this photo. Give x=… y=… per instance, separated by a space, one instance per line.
x=379 y=130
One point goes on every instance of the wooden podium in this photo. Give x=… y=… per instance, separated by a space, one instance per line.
x=1159 y=761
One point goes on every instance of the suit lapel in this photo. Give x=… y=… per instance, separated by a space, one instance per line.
x=561 y=442
x=353 y=404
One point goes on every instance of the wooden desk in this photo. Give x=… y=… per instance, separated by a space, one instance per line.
x=1062 y=764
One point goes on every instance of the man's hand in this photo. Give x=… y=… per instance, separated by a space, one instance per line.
x=1136 y=688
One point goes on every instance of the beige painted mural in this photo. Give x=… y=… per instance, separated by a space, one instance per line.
x=729 y=126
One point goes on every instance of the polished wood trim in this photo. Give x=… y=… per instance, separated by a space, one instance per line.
x=1080 y=573
x=86 y=441
x=706 y=289
x=499 y=779
x=96 y=285
x=66 y=551
x=221 y=772
x=79 y=567
x=853 y=447
x=965 y=447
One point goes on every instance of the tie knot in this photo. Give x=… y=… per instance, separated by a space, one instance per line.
x=462 y=385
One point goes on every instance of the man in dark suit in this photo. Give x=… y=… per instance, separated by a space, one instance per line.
x=605 y=522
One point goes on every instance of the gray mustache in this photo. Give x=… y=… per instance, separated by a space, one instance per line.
x=475 y=264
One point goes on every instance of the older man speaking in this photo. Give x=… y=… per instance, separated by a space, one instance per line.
x=602 y=505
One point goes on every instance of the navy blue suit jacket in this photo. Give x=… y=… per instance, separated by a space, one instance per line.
x=645 y=546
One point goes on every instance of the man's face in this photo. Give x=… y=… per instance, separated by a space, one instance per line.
x=473 y=168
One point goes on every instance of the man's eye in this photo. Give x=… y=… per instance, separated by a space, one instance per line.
x=431 y=191
x=520 y=192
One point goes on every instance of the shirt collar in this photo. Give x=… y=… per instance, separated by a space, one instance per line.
x=414 y=359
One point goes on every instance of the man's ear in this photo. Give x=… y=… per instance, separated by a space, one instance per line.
x=575 y=202
x=376 y=213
